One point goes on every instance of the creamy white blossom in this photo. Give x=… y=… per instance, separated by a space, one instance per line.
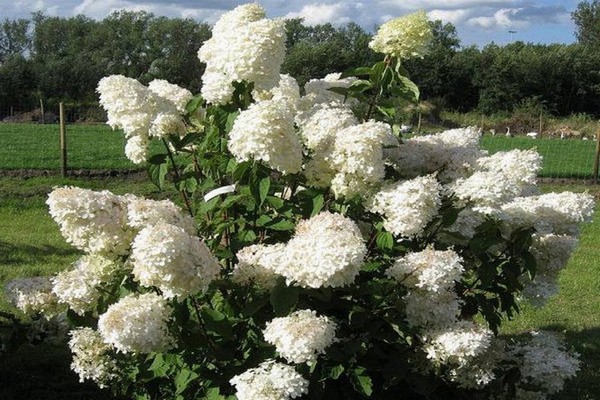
x=320 y=125
x=175 y=94
x=257 y=263
x=431 y=270
x=458 y=343
x=558 y=213
x=452 y=153
x=265 y=131
x=137 y=323
x=552 y=252
x=95 y=222
x=301 y=336
x=77 y=287
x=271 y=380
x=167 y=257
x=544 y=362
x=404 y=37
x=499 y=178
x=317 y=90
x=145 y=212
x=431 y=309
x=32 y=295
x=357 y=158
x=327 y=250
x=91 y=357
x=407 y=206
x=245 y=46
x=139 y=112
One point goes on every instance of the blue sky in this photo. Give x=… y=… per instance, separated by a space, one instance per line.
x=478 y=21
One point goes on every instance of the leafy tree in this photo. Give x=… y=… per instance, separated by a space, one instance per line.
x=587 y=21
x=14 y=38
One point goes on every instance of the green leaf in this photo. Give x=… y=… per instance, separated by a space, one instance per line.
x=183 y=379
x=157 y=174
x=159 y=366
x=410 y=86
x=275 y=202
x=283 y=298
x=339 y=90
x=193 y=105
x=216 y=322
x=317 y=204
x=230 y=121
x=385 y=240
x=336 y=371
x=281 y=225
x=263 y=189
x=364 y=382
x=360 y=71
x=214 y=394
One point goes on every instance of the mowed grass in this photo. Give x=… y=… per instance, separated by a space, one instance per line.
x=570 y=158
x=35 y=146
x=32 y=245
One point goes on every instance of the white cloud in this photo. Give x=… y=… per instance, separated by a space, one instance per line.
x=452 y=16
x=320 y=13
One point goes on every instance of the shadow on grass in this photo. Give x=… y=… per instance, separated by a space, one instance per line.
x=43 y=373
x=11 y=254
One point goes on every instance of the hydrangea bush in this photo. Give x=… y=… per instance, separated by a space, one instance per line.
x=317 y=253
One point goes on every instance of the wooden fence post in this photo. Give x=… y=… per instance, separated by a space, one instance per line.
x=597 y=155
x=42 y=113
x=63 y=141
x=541 y=124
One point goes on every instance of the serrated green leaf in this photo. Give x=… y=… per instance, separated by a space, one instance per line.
x=183 y=379
x=385 y=240
x=365 y=384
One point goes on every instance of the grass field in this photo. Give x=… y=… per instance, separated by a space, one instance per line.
x=32 y=146
x=30 y=244
x=562 y=158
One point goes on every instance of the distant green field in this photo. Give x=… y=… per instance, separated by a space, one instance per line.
x=34 y=146
x=562 y=158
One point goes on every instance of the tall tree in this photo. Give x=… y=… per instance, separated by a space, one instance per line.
x=587 y=21
x=14 y=38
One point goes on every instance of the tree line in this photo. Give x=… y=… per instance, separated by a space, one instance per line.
x=56 y=59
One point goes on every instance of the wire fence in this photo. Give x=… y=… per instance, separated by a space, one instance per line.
x=30 y=142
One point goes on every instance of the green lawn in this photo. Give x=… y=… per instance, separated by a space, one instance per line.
x=34 y=146
x=562 y=158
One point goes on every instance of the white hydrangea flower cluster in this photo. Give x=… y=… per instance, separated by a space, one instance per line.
x=269 y=381
x=91 y=358
x=32 y=295
x=175 y=94
x=145 y=212
x=499 y=178
x=431 y=309
x=558 y=213
x=357 y=158
x=431 y=270
x=407 y=206
x=317 y=90
x=327 y=250
x=167 y=257
x=320 y=125
x=301 y=336
x=265 y=131
x=479 y=371
x=95 y=222
x=245 y=46
x=544 y=362
x=256 y=263
x=404 y=37
x=137 y=324
x=76 y=287
x=551 y=252
x=459 y=344
x=287 y=92
x=141 y=112
x=452 y=153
